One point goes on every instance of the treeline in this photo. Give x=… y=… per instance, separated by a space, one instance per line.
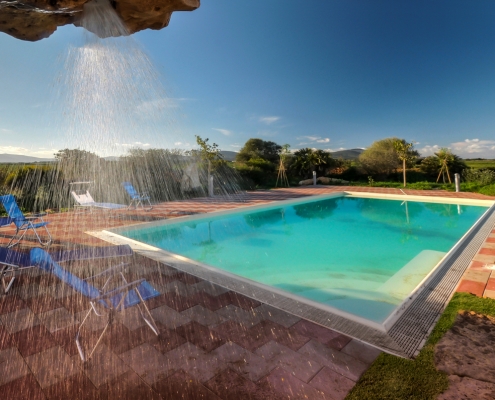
x=161 y=172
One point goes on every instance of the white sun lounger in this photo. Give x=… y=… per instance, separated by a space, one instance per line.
x=84 y=200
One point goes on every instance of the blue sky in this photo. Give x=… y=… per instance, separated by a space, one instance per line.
x=329 y=75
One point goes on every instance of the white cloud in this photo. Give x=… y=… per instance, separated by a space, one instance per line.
x=177 y=143
x=429 y=150
x=135 y=144
x=469 y=148
x=225 y=132
x=269 y=120
x=312 y=139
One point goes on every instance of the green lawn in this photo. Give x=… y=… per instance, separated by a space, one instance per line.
x=480 y=164
x=391 y=377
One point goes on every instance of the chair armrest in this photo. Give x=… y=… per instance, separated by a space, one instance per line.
x=121 y=289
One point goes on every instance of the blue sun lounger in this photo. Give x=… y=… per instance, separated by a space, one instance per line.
x=12 y=261
x=23 y=223
x=136 y=198
x=108 y=300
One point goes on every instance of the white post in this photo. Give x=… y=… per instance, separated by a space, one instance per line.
x=314 y=178
x=210 y=186
x=457 y=178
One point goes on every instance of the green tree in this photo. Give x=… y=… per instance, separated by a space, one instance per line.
x=307 y=160
x=445 y=159
x=380 y=157
x=209 y=153
x=406 y=153
x=431 y=165
x=258 y=148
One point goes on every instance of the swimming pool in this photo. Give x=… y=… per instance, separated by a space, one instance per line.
x=359 y=257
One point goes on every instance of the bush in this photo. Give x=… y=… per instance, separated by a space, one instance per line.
x=488 y=190
x=481 y=176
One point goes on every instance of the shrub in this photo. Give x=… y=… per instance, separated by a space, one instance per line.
x=481 y=176
x=488 y=190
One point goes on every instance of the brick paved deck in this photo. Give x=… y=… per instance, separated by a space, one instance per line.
x=213 y=344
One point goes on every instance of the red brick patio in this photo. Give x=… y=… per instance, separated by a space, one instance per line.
x=213 y=343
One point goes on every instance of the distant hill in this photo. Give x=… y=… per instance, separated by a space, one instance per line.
x=16 y=158
x=351 y=154
x=228 y=155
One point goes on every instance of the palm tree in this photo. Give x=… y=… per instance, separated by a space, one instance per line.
x=445 y=158
x=405 y=153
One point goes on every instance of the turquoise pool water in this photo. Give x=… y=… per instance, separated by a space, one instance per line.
x=363 y=256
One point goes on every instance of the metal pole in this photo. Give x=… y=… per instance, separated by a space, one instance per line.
x=314 y=178
x=210 y=186
x=457 y=178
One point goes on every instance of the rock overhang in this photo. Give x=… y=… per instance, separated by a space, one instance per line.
x=34 y=20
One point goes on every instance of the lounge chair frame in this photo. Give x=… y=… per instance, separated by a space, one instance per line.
x=137 y=199
x=104 y=304
x=23 y=223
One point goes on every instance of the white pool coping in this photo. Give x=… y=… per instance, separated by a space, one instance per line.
x=317 y=312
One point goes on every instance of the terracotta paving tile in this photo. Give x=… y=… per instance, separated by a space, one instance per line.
x=10 y=303
x=314 y=331
x=51 y=366
x=120 y=339
x=242 y=361
x=212 y=303
x=472 y=287
x=203 y=316
x=339 y=362
x=182 y=386
x=103 y=367
x=490 y=285
x=295 y=363
x=75 y=303
x=230 y=385
x=12 y=365
x=23 y=388
x=19 y=320
x=179 y=303
x=287 y=385
x=361 y=351
x=76 y=387
x=278 y=316
x=187 y=279
x=477 y=276
x=244 y=317
x=42 y=304
x=167 y=340
x=57 y=319
x=272 y=331
x=5 y=338
x=235 y=332
x=33 y=340
x=487 y=251
x=209 y=288
x=168 y=317
x=477 y=266
x=149 y=363
x=241 y=301
x=200 y=335
x=65 y=338
x=334 y=385
x=128 y=386
x=339 y=342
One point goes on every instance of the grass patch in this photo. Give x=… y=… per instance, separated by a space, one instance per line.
x=480 y=164
x=391 y=377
